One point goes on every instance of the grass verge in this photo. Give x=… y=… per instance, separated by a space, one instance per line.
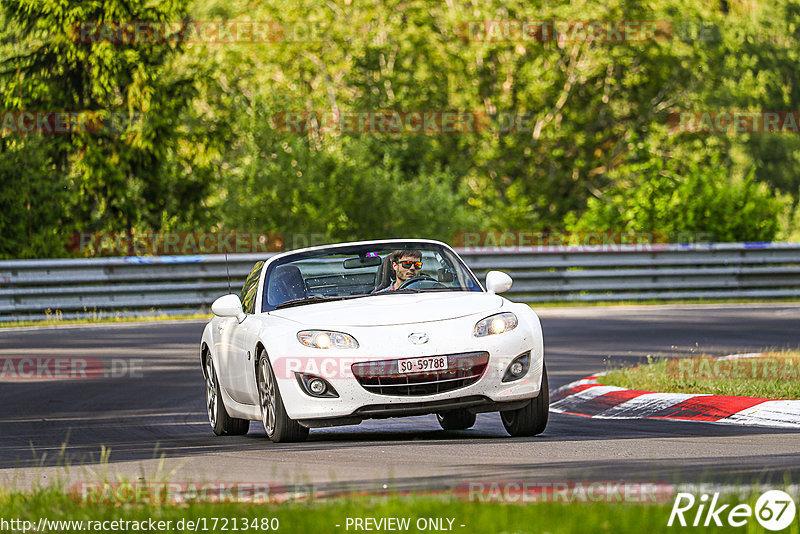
x=57 y=320
x=774 y=375
x=332 y=516
x=655 y=302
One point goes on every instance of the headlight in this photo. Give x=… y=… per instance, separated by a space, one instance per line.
x=496 y=324
x=323 y=339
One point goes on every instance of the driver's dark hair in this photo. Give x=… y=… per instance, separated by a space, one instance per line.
x=397 y=254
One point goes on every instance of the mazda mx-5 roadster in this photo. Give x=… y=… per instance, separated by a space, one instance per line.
x=336 y=334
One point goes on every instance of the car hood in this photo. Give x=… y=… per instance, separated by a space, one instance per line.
x=393 y=309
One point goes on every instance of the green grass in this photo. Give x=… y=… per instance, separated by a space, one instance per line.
x=56 y=319
x=323 y=516
x=655 y=302
x=776 y=375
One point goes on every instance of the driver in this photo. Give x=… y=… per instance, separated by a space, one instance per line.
x=406 y=264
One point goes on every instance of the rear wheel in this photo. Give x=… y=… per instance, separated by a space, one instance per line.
x=222 y=423
x=532 y=419
x=277 y=424
x=456 y=420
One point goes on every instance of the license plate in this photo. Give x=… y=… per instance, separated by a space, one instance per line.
x=421 y=365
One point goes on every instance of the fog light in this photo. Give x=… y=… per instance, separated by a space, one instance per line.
x=316 y=386
x=518 y=368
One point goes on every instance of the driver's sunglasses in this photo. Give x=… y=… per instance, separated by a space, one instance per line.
x=407 y=264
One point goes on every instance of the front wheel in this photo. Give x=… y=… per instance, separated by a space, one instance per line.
x=532 y=419
x=277 y=424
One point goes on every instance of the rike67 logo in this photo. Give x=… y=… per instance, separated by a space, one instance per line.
x=774 y=510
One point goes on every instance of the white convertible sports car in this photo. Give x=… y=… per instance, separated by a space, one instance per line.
x=336 y=334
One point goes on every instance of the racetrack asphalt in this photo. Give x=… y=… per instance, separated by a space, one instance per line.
x=154 y=423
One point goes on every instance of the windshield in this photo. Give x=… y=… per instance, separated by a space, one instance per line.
x=364 y=270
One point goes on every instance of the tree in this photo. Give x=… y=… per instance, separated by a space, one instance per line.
x=688 y=198
x=133 y=171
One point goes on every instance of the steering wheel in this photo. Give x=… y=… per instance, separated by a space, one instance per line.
x=416 y=279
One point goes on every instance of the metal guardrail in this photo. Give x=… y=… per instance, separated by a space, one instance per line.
x=34 y=289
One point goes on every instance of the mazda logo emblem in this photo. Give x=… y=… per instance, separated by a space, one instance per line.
x=418 y=338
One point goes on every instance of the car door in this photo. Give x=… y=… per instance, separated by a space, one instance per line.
x=240 y=364
x=245 y=341
x=222 y=330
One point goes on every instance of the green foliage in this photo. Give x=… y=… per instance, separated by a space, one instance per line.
x=683 y=197
x=346 y=189
x=583 y=103
x=130 y=174
x=31 y=196
x=209 y=155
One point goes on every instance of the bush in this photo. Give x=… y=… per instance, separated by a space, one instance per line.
x=681 y=197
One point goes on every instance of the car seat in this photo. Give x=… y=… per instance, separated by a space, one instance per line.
x=285 y=284
x=385 y=274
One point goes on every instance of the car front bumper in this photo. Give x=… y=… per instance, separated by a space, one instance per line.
x=354 y=402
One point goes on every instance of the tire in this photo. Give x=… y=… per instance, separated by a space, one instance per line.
x=532 y=419
x=221 y=423
x=277 y=424
x=456 y=420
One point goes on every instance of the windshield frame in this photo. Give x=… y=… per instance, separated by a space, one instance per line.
x=355 y=249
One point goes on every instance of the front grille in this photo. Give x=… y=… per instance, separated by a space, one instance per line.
x=382 y=377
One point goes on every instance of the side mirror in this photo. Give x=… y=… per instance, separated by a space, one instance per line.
x=497 y=282
x=228 y=306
